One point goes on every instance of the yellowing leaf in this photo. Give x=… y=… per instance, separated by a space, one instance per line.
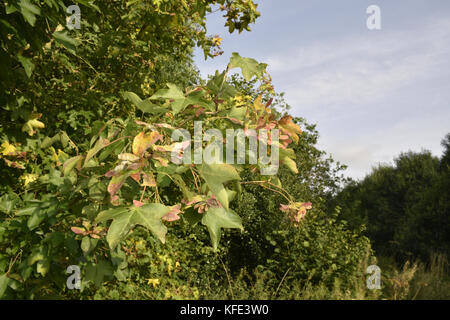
x=14 y=164
x=69 y=164
x=8 y=149
x=172 y=215
x=54 y=154
x=153 y=282
x=290 y=164
x=296 y=211
x=290 y=128
x=258 y=104
x=78 y=230
x=216 y=41
x=129 y=157
x=28 y=178
x=116 y=183
x=33 y=123
x=43 y=266
x=143 y=141
x=148 y=180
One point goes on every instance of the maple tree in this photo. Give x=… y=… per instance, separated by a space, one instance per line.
x=84 y=170
x=151 y=151
x=92 y=175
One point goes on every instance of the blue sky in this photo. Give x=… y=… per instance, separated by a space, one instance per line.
x=372 y=93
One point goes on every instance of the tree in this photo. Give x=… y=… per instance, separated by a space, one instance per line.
x=404 y=207
x=86 y=144
x=445 y=159
x=319 y=249
x=121 y=46
x=69 y=91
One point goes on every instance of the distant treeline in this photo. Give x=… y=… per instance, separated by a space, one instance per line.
x=405 y=207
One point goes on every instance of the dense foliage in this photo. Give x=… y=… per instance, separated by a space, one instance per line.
x=404 y=206
x=87 y=177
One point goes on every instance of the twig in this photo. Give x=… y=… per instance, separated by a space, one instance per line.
x=228 y=277
x=11 y=264
x=281 y=282
x=195 y=179
x=261 y=183
x=142 y=195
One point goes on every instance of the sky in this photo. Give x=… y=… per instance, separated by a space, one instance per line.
x=372 y=93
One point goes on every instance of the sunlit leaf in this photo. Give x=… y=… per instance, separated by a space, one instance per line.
x=250 y=67
x=125 y=218
x=29 y=11
x=172 y=93
x=143 y=141
x=288 y=162
x=69 y=164
x=143 y=105
x=217 y=218
x=290 y=128
x=215 y=176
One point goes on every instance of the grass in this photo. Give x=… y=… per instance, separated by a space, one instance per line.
x=416 y=280
x=411 y=281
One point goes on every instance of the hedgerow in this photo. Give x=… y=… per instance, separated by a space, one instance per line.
x=88 y=171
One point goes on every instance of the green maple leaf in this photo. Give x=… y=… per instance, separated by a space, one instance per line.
x=4 y=281
x=97 y=272
x=250 y=67
x=194 y=98
x=99 y=145
x=126 y=218
x=215 y=176
x=180 y=102
x=220 y=87
x=143 y=105
x=29 y=11
x=172 y=93
x=63 y=38
x=27 y=64
x=217 y=218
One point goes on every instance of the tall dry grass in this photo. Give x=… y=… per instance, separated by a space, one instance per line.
x=411 y=281
x=417 y=280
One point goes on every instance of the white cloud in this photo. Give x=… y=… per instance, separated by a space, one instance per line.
x=374 y=95
x=363 y=150
x=358 y=69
